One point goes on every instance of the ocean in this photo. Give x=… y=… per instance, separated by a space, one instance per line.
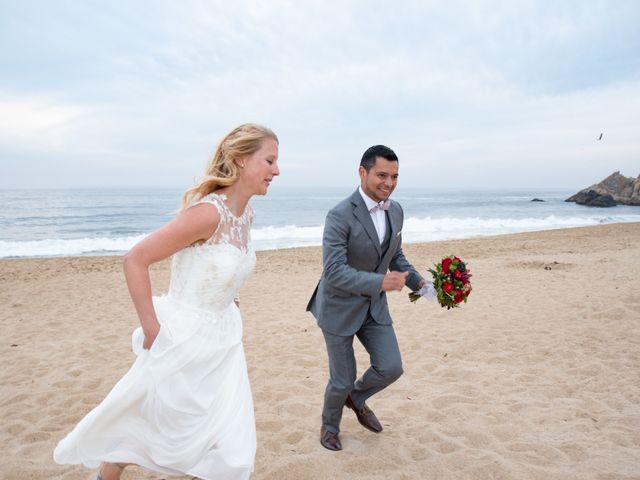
x=65 y=222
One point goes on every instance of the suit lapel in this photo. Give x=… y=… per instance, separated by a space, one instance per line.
x=364 y=217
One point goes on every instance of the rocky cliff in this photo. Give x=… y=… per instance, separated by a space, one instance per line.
x=613 y=190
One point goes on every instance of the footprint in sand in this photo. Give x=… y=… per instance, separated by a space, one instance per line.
x=20 y=398
x=298 y=409
x=449 y=400
x=15 y=429
x=270 y=425
x=418 y=453
x=537 y=454
x=576 y=452
x=295 y=437
x=446 y=447
x=33 y=437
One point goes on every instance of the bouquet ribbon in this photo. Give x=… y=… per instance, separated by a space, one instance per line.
x=428 y=291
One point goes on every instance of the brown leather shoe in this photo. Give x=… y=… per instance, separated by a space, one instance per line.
x=365 y=416
x=330 y=440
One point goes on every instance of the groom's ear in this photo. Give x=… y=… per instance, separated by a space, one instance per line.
x=362 y=172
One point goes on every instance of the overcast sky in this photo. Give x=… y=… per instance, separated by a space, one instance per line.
x=486 y=94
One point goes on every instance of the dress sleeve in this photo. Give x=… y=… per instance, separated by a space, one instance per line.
x=214 y=200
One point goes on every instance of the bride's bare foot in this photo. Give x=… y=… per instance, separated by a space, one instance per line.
x=110 y=471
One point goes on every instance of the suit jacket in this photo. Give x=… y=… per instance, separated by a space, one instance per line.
x=354 y=266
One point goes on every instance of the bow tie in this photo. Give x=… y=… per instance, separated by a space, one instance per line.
x=384 y=205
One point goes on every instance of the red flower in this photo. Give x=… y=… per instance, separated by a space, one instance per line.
x=451 y=282
x=458 y=297
x=446 y=263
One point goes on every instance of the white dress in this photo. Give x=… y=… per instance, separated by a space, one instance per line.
x=185 y=406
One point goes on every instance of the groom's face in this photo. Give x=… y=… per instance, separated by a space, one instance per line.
x=381 y=180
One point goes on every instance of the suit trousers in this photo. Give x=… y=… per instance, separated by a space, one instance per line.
x=386 y=367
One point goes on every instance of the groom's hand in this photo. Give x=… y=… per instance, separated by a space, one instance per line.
x=394 y=281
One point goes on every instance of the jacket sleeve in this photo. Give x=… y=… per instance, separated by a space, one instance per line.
x=337 y=272
x=399 y=263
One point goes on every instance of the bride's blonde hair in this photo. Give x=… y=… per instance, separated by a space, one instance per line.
x=222 y=169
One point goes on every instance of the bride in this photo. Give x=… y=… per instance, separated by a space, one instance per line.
x=185 y=406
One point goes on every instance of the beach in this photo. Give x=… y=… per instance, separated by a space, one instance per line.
x=536 y=377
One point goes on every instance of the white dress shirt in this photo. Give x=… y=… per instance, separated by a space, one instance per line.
x=379 y=217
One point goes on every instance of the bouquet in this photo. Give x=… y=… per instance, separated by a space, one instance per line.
x=451 y=285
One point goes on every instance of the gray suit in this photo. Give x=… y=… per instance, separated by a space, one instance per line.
x=348 y=301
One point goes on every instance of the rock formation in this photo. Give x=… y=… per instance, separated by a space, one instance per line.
x=613 y=190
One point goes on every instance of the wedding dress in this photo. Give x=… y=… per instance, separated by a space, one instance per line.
x=185 y=406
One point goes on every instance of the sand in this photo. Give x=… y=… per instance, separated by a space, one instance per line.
x=537 y=377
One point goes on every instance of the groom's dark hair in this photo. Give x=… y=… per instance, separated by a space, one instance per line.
x=369 y=157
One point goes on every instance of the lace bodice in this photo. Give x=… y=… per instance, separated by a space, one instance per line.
x=209 y=275
x=231 y=229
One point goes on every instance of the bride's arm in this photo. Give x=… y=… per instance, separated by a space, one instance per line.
x=196 y=224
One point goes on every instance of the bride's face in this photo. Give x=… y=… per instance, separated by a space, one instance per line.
x=260 y=167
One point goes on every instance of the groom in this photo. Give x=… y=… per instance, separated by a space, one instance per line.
x=362 y=260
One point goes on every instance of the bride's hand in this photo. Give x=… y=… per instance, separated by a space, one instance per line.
x=150 y=335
